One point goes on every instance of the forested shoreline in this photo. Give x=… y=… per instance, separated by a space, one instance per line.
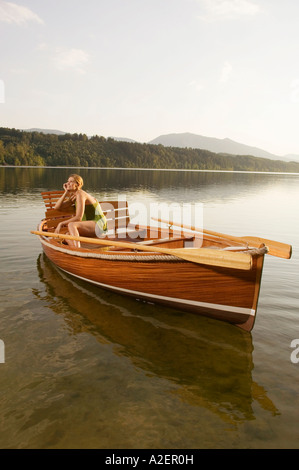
x=22 y=148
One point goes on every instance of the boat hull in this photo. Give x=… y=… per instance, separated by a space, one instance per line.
x=225 y=294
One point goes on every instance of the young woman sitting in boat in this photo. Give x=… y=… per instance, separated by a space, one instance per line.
x=89 y=219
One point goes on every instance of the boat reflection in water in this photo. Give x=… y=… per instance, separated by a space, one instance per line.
x=208 y=361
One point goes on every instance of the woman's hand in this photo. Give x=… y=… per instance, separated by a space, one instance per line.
x=59 y=227
x=73 y=197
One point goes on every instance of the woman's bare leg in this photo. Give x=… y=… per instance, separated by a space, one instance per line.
x=83 y=229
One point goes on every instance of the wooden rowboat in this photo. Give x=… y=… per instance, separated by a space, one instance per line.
x=220 y=280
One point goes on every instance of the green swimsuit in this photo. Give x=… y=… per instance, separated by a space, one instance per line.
x=94 y=212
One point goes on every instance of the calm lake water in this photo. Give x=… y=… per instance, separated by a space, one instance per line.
x=86 y=368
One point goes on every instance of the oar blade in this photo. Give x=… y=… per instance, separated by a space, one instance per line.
x=279 y=249
x=220 y=258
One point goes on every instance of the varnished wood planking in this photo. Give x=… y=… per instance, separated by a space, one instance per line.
x=244 y=321
x=184 y=280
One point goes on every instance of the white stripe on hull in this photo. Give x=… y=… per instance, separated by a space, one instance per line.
x=153 y=297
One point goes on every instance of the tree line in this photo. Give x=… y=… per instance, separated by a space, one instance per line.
x=22 y=148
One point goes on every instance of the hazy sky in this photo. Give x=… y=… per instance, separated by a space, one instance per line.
x=142 y=68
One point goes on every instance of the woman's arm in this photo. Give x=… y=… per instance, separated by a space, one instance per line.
x=61 y=203
x=80 y=207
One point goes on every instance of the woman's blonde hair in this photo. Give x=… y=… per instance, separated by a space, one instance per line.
x=77 y=179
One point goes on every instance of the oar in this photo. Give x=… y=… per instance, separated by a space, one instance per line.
x=281 y=250
x=207 y=256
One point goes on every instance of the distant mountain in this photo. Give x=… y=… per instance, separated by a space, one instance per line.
x=291 y=158
x=44 y=131
x=215 y=145
x=189 y=140
x=123 y=139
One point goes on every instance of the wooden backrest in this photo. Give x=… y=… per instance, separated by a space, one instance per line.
x=50 y=198
x=116 y=212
